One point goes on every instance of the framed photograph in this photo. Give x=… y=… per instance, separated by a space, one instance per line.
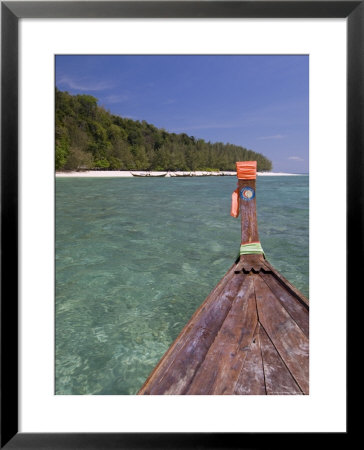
x=48 y=45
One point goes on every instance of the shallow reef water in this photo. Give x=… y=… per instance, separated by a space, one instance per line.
x=135 y=257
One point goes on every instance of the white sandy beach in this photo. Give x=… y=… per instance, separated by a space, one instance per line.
x=127 y=173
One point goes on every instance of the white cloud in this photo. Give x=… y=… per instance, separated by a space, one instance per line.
x=295 y=158
x=83 y=84
x=275 y=136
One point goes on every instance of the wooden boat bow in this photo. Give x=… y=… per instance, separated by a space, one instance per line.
x=250 y=335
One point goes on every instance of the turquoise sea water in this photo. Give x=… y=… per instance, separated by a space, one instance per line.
x=135 y=257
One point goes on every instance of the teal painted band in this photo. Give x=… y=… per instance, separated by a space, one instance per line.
x=251 y=249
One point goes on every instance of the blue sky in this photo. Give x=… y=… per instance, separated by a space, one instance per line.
x=259 y=102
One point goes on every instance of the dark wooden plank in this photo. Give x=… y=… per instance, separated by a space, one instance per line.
x=176 y=370
x=248 y=214
x=288 y=285
x=252 y=262
x=251 y=378
x=187 y=328
x=219 y=371
x=287 y=337
x=178 y=342
x=295 y=309
x=266 y=266
x=278 y=380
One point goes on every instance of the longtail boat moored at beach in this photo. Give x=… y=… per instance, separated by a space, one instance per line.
x=148 y=174
x=250 y=335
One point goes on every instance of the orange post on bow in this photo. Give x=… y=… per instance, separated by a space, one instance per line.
x=246 y=170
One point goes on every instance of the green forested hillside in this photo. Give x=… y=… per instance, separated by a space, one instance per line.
x=89 y=137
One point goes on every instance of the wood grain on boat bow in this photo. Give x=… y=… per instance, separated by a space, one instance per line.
x=250 y=335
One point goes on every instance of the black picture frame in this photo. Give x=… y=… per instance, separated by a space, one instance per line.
x=11 y=12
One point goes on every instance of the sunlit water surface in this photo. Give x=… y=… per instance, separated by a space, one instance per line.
x=135 y=257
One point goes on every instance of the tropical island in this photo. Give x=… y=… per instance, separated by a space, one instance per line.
x=87 y=137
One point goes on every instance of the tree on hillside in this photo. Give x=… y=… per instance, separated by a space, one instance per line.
x=78 y=159
x=89 y=136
